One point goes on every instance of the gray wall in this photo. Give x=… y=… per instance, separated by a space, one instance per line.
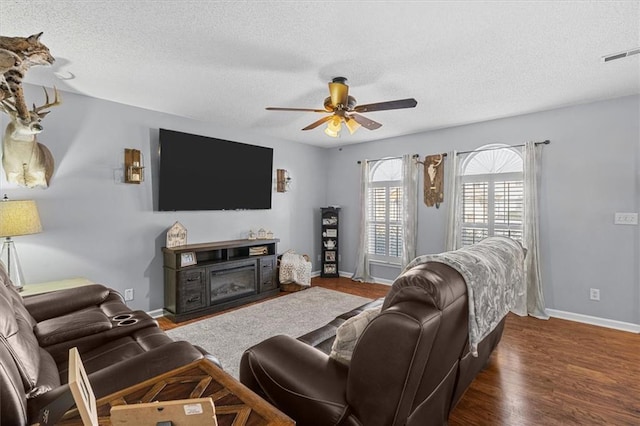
x=99 y=228
x=590 y=171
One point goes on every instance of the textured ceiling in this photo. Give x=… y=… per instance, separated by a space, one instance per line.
x=225 y=61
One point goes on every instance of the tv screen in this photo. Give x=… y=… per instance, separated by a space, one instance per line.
x=203 y=173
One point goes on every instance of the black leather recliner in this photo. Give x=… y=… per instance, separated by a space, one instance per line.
x=409 y=367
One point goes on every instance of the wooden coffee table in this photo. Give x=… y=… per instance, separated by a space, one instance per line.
x=235 y=404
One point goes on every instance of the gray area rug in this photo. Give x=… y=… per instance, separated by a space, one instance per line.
x=226 y=336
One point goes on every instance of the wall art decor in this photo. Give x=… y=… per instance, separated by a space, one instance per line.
x=434 y=180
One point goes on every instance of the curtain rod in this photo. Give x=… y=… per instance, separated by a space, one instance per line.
x=388 y=158
x=545 y=142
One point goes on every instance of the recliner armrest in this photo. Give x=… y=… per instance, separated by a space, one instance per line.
x=123 y=374
x=62 y=302
x=297 y=378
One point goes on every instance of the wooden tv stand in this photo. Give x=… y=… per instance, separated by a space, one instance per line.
x=201 y=279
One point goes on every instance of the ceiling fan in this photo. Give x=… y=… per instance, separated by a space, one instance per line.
x=342 y=108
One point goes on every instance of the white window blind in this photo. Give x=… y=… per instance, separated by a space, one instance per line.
x=385 y=211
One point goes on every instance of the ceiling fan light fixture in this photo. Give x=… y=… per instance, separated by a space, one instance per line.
x=333 y=127
x=352 y=125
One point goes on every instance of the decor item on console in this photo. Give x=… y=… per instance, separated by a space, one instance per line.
x=176 y=235
x=18 y=217
x=433 y=180
x=262 y=234
x=410 y=363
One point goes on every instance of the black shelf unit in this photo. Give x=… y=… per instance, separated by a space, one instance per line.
x=330 y=242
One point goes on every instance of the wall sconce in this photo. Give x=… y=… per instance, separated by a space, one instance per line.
x=133 y=168
x=283 y=180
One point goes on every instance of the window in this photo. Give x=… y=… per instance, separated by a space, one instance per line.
x=385 y=211
x=492 y=194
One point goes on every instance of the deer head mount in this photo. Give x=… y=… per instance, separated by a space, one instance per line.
x=27 y=162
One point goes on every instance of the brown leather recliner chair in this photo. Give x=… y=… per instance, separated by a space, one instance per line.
x=409 y=367
x=119 y=348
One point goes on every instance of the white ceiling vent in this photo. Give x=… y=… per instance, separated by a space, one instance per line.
x=621 y=55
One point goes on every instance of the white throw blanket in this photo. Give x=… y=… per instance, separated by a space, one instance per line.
x=294 y=268
x=493 y=270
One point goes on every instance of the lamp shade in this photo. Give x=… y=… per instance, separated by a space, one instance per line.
x=19 y=218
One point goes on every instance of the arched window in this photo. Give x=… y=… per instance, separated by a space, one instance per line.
x=385 y=210
x=492 y=194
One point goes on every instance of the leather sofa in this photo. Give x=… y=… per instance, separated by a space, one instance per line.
x=410 y=365
x=119 y=347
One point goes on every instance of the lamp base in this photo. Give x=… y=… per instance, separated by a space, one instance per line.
x=9 y=257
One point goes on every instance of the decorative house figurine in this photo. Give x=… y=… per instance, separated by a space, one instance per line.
x=269 y=235
x=176 y=235
x=262 y=234
x=252 y=235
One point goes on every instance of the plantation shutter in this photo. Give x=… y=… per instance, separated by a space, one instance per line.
x=492 y=205
x=385 y=221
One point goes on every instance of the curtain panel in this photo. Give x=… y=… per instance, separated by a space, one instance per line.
x=362 y=263
x=409 y=209
x=533 y=274
x=452 y=204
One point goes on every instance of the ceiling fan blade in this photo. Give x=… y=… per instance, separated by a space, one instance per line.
x=365 y=122
x=295 y=109
x=381 y=106
x=319 y=122
x=339 y=92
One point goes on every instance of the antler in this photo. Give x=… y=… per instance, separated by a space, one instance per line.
x=9 y=107
x=47 y=104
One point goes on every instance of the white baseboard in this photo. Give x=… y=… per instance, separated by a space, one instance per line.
x=156 y=313
x=588 y=319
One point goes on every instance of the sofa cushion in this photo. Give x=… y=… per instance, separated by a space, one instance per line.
x=71 y=326
x=348 y=334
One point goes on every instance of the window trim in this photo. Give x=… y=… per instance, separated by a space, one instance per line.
x=490 y=179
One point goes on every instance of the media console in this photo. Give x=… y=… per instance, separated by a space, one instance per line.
x=201 y=279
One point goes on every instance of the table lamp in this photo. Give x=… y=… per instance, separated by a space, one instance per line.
x=16 y=218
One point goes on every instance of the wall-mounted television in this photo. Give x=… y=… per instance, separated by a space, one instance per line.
x=204 y=173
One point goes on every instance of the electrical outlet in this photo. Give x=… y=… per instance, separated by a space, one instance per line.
x=128 y=294
x=594 y=294
x=625 y=219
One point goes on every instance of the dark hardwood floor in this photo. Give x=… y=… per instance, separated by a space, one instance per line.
x=553 y=372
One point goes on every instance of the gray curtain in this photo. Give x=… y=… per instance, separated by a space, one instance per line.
x=409 y=208
x=362 y=263
x=451 y=193
x=533 y=274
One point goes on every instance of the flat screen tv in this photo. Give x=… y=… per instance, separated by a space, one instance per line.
x=204 y=173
